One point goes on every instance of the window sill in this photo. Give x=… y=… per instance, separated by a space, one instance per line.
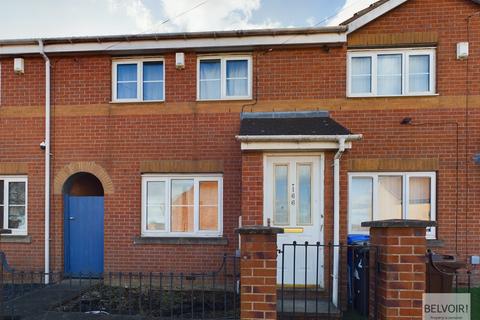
x=137 y=102
x=225 y=99
x=395 y=96
x=220 y=241
x=435 y=243
x=15 y=239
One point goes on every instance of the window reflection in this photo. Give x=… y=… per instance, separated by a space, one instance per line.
x=182 y=205
x=281 y=195
x=304 y=214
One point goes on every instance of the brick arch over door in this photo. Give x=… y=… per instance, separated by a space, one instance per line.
x=76 y=167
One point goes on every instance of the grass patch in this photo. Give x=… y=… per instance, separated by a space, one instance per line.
x=474 y=301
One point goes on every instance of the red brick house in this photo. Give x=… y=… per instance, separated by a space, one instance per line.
x=170 y=141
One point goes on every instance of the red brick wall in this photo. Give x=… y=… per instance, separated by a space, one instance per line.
x=400 y=279
x=22 y=90
x=252 y=188
x=301 y=74
x=90 y=76
x=119 y=145
x=436 y=135
x=258 y=276
x=449 y=19
x=20 y=139
x=288 y=74
x=309 y=78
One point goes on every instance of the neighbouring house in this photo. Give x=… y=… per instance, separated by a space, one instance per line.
x=146 y=152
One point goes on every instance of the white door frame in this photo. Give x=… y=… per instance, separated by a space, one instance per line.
x=320 y=197
x=296 y=154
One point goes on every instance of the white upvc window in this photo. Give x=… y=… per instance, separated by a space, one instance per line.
x=182 y=205
x=391 y=195
x=224 y=77
x=405 y=72
x=13 y=203
x=135 y=80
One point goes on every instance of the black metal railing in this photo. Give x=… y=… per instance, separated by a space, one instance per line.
x=307 y=281
x=172 y=295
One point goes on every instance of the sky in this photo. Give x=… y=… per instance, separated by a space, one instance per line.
x=59 y=18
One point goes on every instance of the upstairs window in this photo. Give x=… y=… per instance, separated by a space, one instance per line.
x=224 y=78
x=182 y=206
x=138 y=80
x=391 y=73
x=13 y=204
x=391 y=195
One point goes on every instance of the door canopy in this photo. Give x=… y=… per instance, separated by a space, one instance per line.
x=293 y=131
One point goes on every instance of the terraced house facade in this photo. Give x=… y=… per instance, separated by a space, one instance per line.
x=145 y=153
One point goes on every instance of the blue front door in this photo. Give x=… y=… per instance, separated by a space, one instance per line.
x=83 y=235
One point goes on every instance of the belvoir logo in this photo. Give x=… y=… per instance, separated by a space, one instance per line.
x=446 y=306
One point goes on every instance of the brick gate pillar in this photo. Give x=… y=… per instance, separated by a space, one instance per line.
x=258 y=272
x=400 y=278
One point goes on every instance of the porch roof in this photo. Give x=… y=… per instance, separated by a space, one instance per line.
x=316 y=123
x=293 y=131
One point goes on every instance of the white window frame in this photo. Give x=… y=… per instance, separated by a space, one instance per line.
x=6 y=181
x=223 y=76
x=431 y=231
x=406 y=53
x=139 y=63
x=196 y=213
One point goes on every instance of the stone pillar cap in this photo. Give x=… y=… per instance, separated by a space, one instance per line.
x=259 y=230
x=399 y=223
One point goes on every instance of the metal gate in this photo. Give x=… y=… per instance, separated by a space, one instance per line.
x=353 y=287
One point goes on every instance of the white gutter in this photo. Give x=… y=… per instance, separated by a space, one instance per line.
x=47 y=161
x=208 y=43
x=300 y=138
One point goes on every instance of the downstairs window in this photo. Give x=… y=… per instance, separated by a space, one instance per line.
x=182 y=206
x=391 y=195
x=13 y=203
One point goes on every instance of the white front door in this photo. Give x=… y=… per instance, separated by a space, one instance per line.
x=293 y=200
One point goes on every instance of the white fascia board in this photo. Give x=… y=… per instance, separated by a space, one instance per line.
x=297 y=142
x=374 y=14
x=169 y=44
x=19 y=49
x=289 y=146
x=299 y=138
